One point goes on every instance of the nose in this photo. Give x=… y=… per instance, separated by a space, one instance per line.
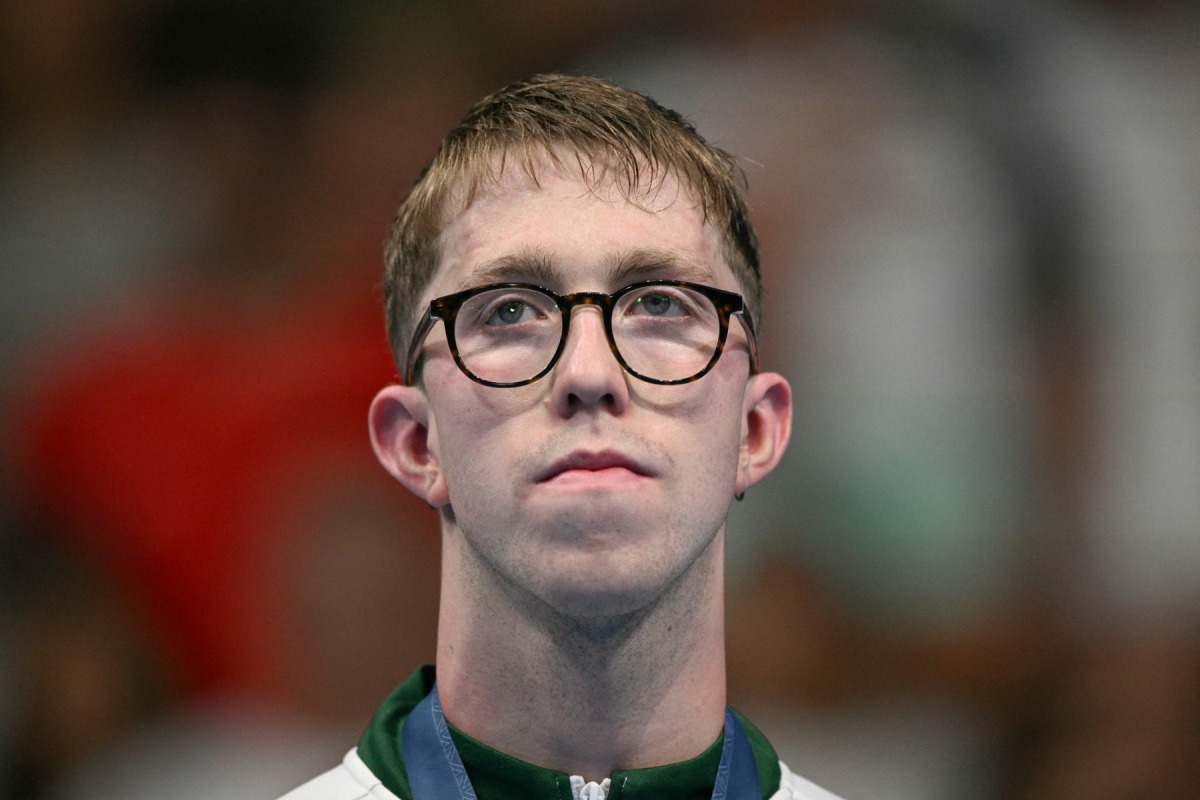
x=588 y=375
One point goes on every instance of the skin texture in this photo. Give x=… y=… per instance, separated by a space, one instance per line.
x=583 y=515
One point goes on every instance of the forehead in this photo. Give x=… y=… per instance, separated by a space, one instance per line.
x=572 y=227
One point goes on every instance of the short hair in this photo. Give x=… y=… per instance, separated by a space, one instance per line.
x=613 y=133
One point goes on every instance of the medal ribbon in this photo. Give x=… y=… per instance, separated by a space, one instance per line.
x=436 y=772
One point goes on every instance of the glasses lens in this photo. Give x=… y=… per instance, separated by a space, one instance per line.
x=507 y=335
x=667 y=333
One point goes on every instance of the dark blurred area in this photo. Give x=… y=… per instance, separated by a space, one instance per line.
x=974 y=574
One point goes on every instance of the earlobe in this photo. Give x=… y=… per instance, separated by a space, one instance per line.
x=401 y=437
x=766 y=427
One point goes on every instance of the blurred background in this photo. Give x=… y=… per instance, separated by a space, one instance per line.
x=975 y=574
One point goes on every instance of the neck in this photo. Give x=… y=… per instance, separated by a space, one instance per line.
x=585 y=696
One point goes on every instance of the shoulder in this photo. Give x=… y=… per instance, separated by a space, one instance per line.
x=793 y=787
x=350 y=780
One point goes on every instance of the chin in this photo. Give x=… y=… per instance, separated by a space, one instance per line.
x=601 y=603
x=611 y=592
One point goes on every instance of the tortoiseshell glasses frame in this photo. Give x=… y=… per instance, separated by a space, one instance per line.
x=725 y=305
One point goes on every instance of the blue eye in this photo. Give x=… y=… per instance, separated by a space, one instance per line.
x=655 y=304
x=509 y=312
x=660 y=302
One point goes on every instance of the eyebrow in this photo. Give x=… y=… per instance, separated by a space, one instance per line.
x=645 y=263
x=526 y=265
x=537 y=266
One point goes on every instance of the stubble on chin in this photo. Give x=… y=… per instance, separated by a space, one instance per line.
x=592 y=566
x=589 y=607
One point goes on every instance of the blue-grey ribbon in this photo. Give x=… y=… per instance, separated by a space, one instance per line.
x=737 y=777
x=436 y=772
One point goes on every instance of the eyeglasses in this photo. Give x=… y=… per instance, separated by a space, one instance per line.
x=511 y=334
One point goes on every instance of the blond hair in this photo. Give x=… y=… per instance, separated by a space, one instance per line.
x=613 y=133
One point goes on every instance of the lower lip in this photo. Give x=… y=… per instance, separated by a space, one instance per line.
x=595 y=478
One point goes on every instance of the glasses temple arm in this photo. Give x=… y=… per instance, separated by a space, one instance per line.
x=751 y=337
x=414 y=350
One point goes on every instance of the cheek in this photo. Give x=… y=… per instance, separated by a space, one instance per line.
x=476 y=433
x=719 y=451
x=707 y=427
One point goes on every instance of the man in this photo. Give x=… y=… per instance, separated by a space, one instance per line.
x=571 y=288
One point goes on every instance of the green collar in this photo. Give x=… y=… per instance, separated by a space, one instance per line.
x=497 y=776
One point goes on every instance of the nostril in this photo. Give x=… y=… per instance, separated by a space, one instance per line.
x=576 y=400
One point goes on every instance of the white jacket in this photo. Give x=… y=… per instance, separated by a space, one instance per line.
x=352 y=780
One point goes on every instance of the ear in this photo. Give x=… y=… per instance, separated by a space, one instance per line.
x=400 y=434
x=766 y=427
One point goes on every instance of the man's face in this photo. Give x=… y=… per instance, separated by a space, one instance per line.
x=588 y=489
